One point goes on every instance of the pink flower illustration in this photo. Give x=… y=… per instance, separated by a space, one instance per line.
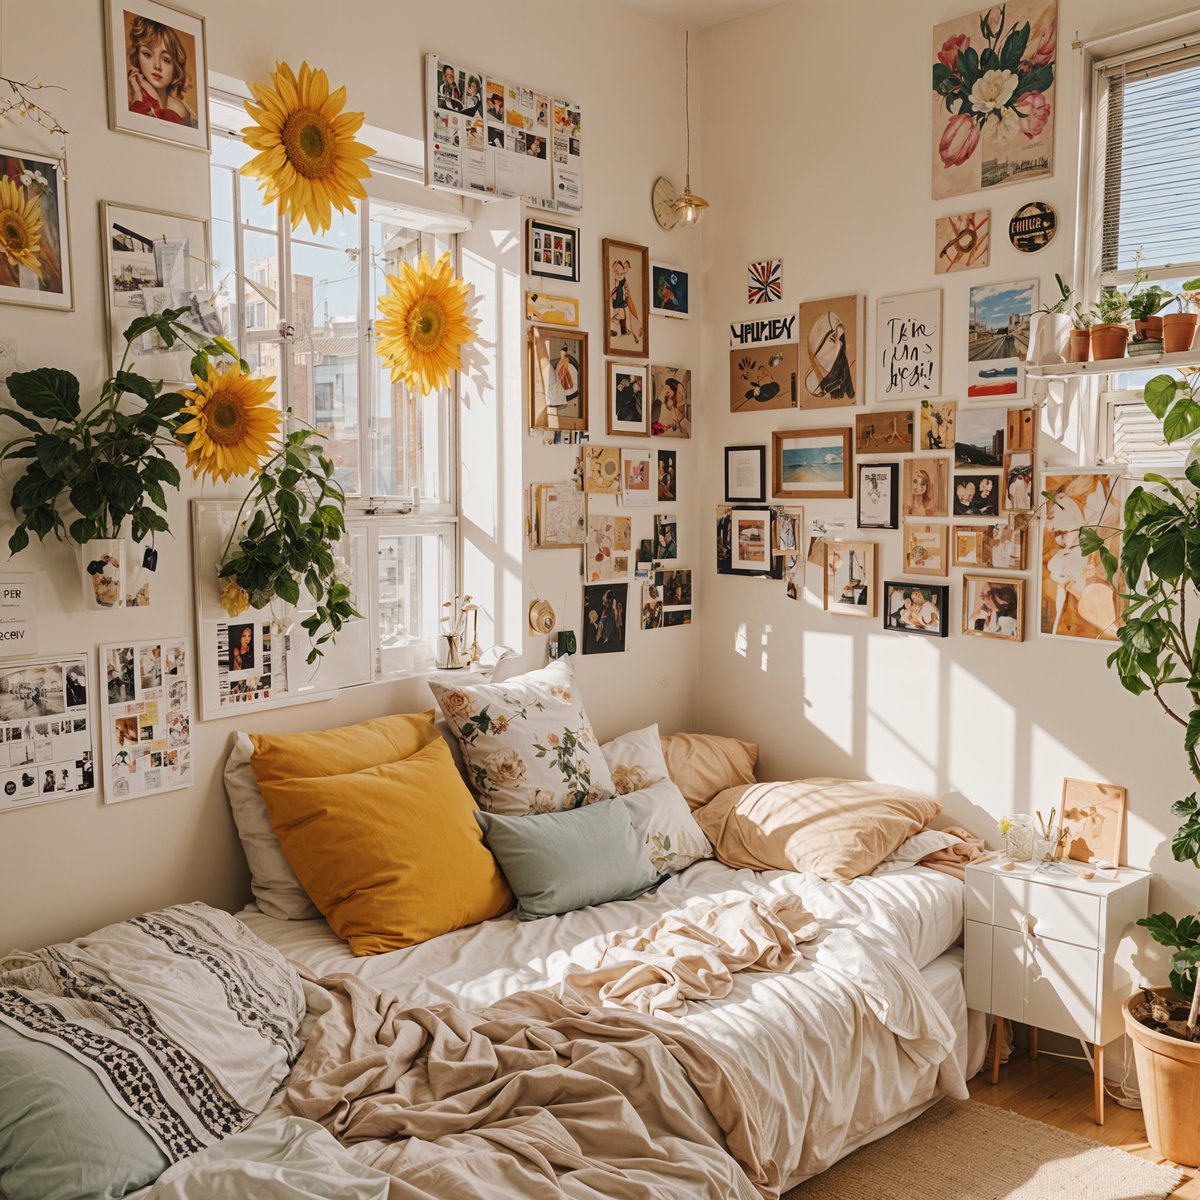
x=1035 y=112
x=1043 y=39
x=959 y=139
x=948 y=54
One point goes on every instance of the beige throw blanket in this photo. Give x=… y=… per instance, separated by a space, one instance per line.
x=531 y=1098
x=953 y=859
x=693 y=954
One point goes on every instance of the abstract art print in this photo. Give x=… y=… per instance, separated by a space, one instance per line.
x=626 y=274
x=764 y=282
x=962 y=241
x=998 y=547
x=938 y=424
x=35 y=252
x=763 y=377
x=669 y=295
x=993 y=97
x=602 y=470
x=628 y=403
x=831 y=343
x=908 y=346
x=884 y=432
x=604 y=618
x=558 y=375
x=1093 y=817
x=998 y=338
x=671 y=402
x=925 y=550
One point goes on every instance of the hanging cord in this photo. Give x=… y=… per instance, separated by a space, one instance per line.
x=687 y=101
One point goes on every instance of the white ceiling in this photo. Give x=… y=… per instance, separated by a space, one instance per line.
x=697 y=14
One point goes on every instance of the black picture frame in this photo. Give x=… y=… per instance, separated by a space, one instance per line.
x=596 y=638
x=897 y=595
x=731 y=563
x=876 y=473
x=760 y=496
x=541 y=262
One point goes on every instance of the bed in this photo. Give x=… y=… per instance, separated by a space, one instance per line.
x=833 y=1075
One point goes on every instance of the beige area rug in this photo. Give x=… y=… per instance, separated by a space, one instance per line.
x=961 y=1150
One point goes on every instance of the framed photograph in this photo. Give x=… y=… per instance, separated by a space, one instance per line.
x=811 y=463
x=669 y=295
x=908 y=346
x=939 y=422
x=551 y=250
x=763 y=377
x=157 y=72
x=544 y=309
x=626 y=273
x=878 y=495
x=746 y=474
x=41 y=275
x=850 y=578
x=668 y=478
x=1093 y=818
x=671 y=412
x=925 y=550
x=994 y=607
x=998 y=338
x=979 y=436
x=831 y=341
x=1018 y=494
x=604 y=618
x=152 y=261
x=628 y=410
x=997 y=547
x=558 y=376
x=749 y=542
x=916 y=608
x=926 y=487
x=976 y=493
x=888 y=432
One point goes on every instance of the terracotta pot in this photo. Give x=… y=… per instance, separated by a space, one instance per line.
x=1168 y=1072
x=1179 y=331
x=1109 y=341
x=1079 y=349
x=1149 y=330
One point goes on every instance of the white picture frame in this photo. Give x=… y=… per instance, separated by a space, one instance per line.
x=908 y=346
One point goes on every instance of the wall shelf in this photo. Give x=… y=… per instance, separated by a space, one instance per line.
x=1113 y=366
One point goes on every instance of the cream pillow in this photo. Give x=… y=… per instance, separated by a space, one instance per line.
x=703 y=764
x=667 y=828
x=635 y=760
x=527 y=743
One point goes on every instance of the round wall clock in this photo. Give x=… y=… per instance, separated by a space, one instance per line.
x=662 y=200
x=1033 y=227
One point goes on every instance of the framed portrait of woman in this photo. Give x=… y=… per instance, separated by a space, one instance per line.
x=994 y=607
x=926 y=487
x=626 y=274
x=157 y=72
x=558 y=379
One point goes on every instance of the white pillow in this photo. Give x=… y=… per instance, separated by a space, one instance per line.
x=666 y=826
x=635 y=760
x=915 y=848
x=527 y=743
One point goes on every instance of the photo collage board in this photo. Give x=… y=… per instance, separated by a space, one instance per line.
x=148 y=717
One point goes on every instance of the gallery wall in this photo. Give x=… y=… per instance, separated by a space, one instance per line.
x=820 y=117
x=70 y=866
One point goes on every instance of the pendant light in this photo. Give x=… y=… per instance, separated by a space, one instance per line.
x=689 y=207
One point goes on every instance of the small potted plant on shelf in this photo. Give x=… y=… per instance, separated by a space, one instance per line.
x=1110 y=334
x=1144 y=306
x=1079 y=348
x=1157 y=571
x=1050 y=328
x=1179 y=329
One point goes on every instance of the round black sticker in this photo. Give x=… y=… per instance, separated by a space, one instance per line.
x=10 y=788
x=1033 y=227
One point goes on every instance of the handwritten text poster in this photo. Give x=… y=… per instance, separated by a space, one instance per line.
x=908 y=346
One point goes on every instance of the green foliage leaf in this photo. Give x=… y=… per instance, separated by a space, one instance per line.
x=199 y=366
x=1159 y=393
x=1184 y=418
x=1040 y=79
x=1167 y=558
x=21 y=419
x=287 y=589
x=139 y=385
x=55 y=454
x=1163 y=927
x=46 y=392
x=1014 y=47
x=1090 y=540
x=18 y=540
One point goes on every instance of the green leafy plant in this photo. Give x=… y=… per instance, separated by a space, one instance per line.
x=1112 y=308
x=1082 y=318
x=1145 y=303
x=1062 y=305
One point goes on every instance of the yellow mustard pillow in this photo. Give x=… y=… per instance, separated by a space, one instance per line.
x=391 y=854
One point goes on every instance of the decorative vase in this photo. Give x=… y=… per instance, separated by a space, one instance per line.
x=1079 y=348
x=1049 y=338
x=1179 y=331
x=1018 y=841
x=1109 y=341
x=116 y=573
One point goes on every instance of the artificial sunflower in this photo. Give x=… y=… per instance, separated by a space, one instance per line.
x=20 y=225
x=424 y=324
x=234 y=598
x=230 y=423
x=308 y=160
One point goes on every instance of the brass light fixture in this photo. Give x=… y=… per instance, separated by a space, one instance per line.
x=689 y=207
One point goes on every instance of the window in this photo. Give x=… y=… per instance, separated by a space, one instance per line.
x=301 y=308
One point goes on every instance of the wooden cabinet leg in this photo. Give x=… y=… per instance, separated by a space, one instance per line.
x=1098 y=1082
x=998 y=1037
x=1033 y=1034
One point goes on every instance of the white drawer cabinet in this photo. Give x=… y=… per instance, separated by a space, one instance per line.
x=1041 y=948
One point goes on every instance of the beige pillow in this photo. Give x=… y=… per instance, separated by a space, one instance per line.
x=703 y=764
x=835 y=828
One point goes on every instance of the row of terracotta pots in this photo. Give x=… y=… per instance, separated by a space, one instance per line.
x=1177 y=330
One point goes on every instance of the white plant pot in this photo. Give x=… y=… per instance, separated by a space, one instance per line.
x=1049 y=335
x=114 y=574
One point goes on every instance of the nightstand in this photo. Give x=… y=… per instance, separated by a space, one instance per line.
x=1041 y=948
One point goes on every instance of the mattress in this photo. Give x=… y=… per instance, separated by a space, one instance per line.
x=833 y=1077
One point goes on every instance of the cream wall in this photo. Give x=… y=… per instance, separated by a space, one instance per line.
x=67 y=867
x=820 y=117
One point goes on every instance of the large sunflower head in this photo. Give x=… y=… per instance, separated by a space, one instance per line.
x=230 y=423
x=308 y=160
x=423 y=324
x=20 y=225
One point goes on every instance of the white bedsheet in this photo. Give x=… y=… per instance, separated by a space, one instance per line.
x=832 y=1075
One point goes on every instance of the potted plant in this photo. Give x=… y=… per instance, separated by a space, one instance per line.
x=1159 y=572
x=1179 y=329
x=1110 y=334
x=1144 y=306
x=1079 y=347
x=1050 y=328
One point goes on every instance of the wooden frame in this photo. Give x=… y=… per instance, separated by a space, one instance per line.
x=980 y=541
x=759 y=493
x=13 y=293
x=838 y=553
x=546 y=347
x=938 y=594
x=978 y=610
x=634 y=372
x=934 y=500
x=1092 y=803
x=627 y=323
x=539 y=258
x=926 y=549
x=832 y=434
x=880 y=470
x=120 y=117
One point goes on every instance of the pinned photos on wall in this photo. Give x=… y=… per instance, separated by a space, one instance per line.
x=608 y=551
x=147 y=717
x=638 y=484
x=667 y=599
x=46 y=737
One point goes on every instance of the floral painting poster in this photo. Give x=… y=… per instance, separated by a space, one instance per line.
x=993 y=77
x=35 y=258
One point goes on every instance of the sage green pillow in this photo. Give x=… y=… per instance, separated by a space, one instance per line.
x=559 y=861
x=61 y=1136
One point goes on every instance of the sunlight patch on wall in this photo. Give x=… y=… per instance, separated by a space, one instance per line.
x=740 y=641
x=826 y=687
x=903 y=691
x=763 y=658
x=981 y=744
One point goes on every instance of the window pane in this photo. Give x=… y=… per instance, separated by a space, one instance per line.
x=411 y=568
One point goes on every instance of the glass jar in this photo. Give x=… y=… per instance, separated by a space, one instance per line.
x=1018 y=841
x=1047 y=846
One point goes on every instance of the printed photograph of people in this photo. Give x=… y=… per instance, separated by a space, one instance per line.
x=241 y=647
x=604 y=618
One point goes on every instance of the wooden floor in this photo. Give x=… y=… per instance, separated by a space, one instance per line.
x=1049 y=1090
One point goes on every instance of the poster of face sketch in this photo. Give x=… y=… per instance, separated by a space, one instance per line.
x=1077 y=600
x=994 y=72
x=831 y=343
x=147 y=717
x=36 y=268
x=998 y=338
x=46 y=738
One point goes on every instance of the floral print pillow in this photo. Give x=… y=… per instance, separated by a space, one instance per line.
x=527 y=743
x=635 y=760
